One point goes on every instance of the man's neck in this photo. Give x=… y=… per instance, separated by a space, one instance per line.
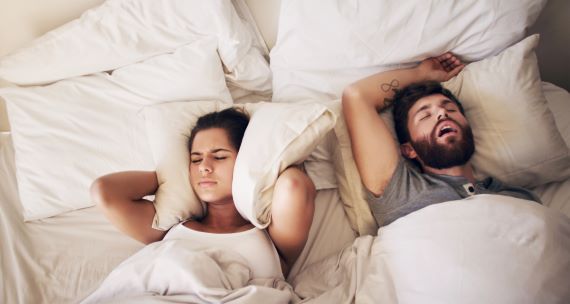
x=463 y=171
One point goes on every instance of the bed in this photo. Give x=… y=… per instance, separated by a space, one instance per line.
x=98 y=92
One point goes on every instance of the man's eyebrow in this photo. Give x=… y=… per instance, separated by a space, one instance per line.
x=422 y=108
x=446 y=101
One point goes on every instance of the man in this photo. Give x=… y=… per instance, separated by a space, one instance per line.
x=435 y=140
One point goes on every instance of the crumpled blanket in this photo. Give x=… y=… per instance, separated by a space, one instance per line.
x=170 y=271
x=484 y=249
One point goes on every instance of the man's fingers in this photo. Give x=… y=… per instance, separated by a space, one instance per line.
x=451 y=63
x=456 y=70
x=443 y=56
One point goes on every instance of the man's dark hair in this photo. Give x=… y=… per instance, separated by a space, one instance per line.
x=232 y=120
x=405 y=98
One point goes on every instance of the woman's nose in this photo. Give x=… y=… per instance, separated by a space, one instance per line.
x=205 y=167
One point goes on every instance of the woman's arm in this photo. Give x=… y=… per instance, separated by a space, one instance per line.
x=292 y=212
x=375 y=152
x=120 y=196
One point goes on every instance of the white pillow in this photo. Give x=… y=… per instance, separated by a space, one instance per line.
x=559 y=103
x=191 y=72
x=67 y=134
x=88 y=126
x=350 y=186
x=122 y=32
x=516 y=138
x=278 y=135
x=322 y=46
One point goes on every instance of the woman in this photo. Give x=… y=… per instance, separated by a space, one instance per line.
x=213 y=146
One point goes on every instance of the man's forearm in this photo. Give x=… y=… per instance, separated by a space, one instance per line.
x=379 y=89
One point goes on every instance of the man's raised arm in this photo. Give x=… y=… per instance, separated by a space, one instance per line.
x=375 y=152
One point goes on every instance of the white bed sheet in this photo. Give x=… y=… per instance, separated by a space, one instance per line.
x=55 y=260
x=64 y=258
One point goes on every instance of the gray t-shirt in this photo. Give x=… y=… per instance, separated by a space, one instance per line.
x=410 y=190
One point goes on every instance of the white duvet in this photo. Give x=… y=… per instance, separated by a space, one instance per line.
x=484 y=249
x=171 y=271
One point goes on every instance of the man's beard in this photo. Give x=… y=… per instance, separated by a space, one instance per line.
x=440 y=156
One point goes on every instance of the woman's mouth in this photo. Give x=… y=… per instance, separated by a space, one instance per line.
x=207 y=183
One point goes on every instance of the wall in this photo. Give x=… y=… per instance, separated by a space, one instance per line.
x=553 y=51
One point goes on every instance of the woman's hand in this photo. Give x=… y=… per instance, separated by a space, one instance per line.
x=440 y=68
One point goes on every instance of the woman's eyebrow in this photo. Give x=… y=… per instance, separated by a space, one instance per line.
x=216 y=150
x=220 y=150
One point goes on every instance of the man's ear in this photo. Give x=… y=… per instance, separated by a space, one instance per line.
x=408 y=151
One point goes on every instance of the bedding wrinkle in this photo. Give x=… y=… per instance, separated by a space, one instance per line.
x=16 y=257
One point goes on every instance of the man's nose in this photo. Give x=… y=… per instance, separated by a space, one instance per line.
x=442 y=113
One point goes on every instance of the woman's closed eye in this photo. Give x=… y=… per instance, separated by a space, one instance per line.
x=196 y=160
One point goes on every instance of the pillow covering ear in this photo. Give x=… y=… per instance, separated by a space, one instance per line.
x=277 y=136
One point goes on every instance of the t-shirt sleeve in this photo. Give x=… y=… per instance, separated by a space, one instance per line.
x=405 y=184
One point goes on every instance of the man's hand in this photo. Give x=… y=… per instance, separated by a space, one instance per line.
x=441 y=68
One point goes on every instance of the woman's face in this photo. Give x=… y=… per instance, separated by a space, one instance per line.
x=212 y=160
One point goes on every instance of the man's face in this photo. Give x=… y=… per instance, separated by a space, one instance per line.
x=440 y=135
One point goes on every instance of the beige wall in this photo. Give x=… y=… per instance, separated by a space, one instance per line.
x=266 y=15
x=554 y=48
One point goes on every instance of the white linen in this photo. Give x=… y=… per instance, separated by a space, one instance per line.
x=192 y=72
x=175 y=267
x=559 y=103
x=69 y=133
x=64 y=258
x=516 y=137
x=54 y=260
x=322 y=46
x=118 y=33
x=486 y=248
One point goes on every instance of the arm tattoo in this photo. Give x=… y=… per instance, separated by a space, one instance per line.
x=393 y=85
x=386 y=87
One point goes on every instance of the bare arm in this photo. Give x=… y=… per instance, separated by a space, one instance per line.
x=291 y=214
x=375 y=152
x=120 y=196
